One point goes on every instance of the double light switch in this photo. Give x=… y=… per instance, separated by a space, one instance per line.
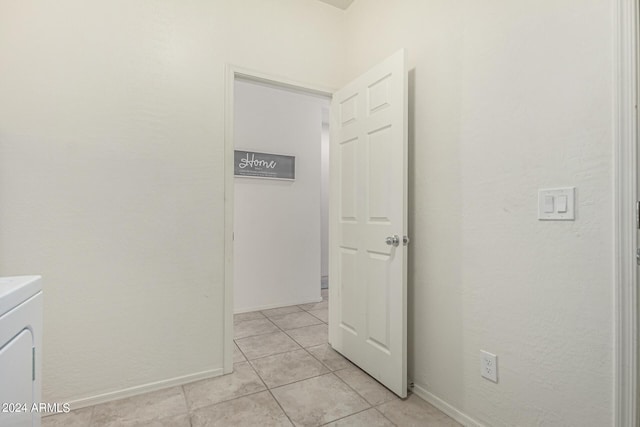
x=556 y=204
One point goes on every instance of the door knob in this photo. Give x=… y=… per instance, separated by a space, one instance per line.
x=393 y=240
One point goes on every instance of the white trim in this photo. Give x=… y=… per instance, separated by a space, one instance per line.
x=291 y=180
x=454 y=413
x=625 y=173
x=284 y=82
x=229 y=147
x=231 y=73
x=270 y=306
x=141 y=389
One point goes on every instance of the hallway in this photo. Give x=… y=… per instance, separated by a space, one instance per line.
x=285 y=373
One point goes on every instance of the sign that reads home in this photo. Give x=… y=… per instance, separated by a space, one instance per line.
x=263 y=165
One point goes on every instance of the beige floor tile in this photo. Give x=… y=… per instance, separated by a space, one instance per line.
x=318 y=400
x=310 y=335
x=250 y=328
x=315 y=306
x=415 y=412
x=331 y=358
x=295 y=320
x=281 y=311
x=237 y=354
x=258 y=409
x=141 y=409
x=449 y=422
x=241 y=382
x=252 y=315
x=373 y=392
x=175 y=421
x=288 y=367
x=266 y=345
x=368 y=418
x=77 y=418
x=322 y=314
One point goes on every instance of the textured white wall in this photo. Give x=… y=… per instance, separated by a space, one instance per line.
x=111 y=173
x=277 y=223
x=506 y=98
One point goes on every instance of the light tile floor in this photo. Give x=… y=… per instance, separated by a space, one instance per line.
x=285 y=374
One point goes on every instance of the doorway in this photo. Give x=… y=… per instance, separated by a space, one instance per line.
x=279 y=232
x=274 y=223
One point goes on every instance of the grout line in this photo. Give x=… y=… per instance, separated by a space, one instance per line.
x=256 y=335
x=347 y=416
x=258 y=374
x=241 y=352
x=293 y=339
x=301 y=348
x=275 y=354
x=189 y=414
x=300 y=380
x=304 y=379
x=331 y=371
x=284 y=314
x=225 y=401
x=305 y=326
x=312 y=345
x=294 y=329
x=383 y=415
x=281 y=408
x=93 y=410
x=186 y=403
x=328 y=367
x=308 y=352
x=323 y=364
x=314 y=303
x=270 y=393
x=326 y=323
x=354 y=390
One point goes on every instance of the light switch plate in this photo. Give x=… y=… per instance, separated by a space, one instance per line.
x=556 y=214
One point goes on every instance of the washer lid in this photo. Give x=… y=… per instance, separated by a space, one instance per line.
x=15 y=290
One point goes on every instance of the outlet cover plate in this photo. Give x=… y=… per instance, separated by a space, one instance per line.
x=489 y=366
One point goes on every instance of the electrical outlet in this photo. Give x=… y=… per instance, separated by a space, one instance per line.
x=489 y=366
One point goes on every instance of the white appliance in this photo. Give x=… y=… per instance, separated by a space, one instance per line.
x=20 y=347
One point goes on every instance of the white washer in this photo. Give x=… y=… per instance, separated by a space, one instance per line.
x=20 y=346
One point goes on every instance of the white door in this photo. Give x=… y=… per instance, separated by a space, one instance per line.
x=368 y=220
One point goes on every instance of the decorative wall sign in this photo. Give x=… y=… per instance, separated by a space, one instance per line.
x=264 y=165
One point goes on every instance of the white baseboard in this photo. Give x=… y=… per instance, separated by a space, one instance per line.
x=270 y=306
x=145 y=388
x=454 y=413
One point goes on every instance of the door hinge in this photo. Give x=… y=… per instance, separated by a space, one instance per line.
x=33 y=363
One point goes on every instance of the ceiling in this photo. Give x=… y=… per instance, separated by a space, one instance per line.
x=342 y=4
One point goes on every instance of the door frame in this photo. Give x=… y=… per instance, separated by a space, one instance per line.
x=625 y=124
x=231 y=72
